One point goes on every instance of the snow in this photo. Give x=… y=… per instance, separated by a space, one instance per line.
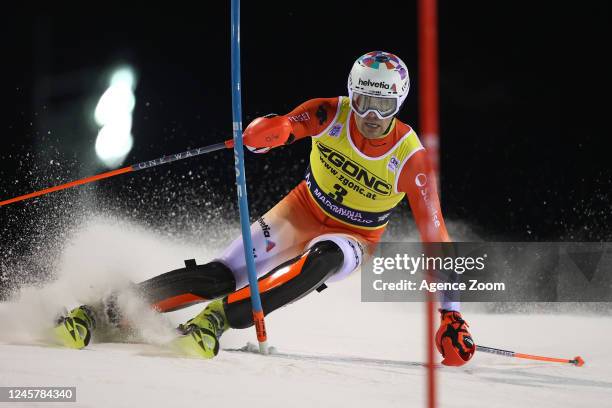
x=333 y=324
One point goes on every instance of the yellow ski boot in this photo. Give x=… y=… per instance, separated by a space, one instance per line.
x=74 y=330
x=199 y=337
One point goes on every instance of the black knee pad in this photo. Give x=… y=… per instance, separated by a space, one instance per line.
x=208 y=281
x=323 y=259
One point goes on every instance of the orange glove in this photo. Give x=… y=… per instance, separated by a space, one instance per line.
x=267 y=132
x=453 y=340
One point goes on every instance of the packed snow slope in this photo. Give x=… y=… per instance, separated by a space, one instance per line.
x=388 y=341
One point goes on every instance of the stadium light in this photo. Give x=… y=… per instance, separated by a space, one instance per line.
x=114 y=114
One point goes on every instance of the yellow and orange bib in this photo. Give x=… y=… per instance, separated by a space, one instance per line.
x=348 y=185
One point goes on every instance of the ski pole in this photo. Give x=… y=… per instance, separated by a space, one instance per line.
x=577 y=361
x=134 y=167
x=243 y=204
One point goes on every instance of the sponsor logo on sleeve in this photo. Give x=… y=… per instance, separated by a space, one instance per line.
x=421 y=181
x=303 y=117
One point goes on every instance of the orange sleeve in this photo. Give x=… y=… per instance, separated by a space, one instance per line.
x=313 y=116
x=420 y=185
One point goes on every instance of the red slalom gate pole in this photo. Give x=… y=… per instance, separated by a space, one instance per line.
x=577 y=361
x=134 y=167
x=429 y=123
x=428 y=80
x=431 y=368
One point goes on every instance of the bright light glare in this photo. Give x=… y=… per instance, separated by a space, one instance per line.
x=123 y=77
x=114 y=114
x=115 y=102
x=114 y=142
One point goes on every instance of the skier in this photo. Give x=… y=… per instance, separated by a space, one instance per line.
x=362 y=163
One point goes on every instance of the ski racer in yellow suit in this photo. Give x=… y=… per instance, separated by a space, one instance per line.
x=362 y=163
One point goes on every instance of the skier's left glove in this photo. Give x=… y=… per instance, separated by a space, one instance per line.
x=453 y=339
x=267 y=132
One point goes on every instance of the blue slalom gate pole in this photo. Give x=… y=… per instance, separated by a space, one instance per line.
x=243 y=204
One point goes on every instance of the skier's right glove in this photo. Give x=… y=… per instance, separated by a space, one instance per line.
x=453 y=339
x=267 y=132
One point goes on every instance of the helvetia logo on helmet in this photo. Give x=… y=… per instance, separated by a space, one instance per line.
x=380 y=84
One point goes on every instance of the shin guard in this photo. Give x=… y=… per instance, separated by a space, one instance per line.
x=286 y=283
x=186 y=286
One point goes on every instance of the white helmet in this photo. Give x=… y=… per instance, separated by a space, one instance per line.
x=379 y=83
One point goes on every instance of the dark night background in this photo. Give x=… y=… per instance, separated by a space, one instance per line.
x=523 y=93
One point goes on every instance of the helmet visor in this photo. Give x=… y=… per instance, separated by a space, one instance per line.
x=382 y=107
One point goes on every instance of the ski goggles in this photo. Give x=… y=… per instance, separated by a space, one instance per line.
x=383 y=107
